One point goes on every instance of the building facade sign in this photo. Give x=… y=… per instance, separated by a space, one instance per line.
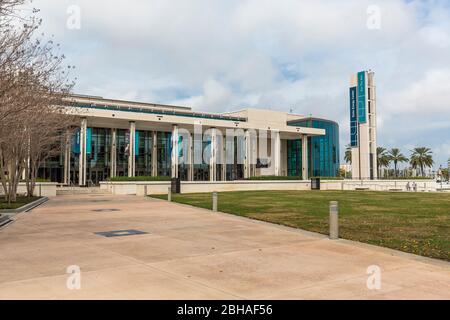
x=353 y=118
x=362 y=114
x=88 y=141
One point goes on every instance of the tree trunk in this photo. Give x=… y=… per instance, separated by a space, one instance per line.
x=3 y=177
x=27 y=180
x=34 y=171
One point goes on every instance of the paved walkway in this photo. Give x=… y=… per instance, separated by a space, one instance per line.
x=191 y=253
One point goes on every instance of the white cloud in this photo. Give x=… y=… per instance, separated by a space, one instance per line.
x=430 y=94
x=223 y=55
x=444 y=150
x=214 y=94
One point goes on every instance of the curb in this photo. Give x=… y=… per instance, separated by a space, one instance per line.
x=4 y=220
x=28 y=207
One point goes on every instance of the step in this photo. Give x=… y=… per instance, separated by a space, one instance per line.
x=75 y=190
x=4 y=220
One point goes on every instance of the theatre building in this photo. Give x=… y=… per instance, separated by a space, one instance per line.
x=122 y=138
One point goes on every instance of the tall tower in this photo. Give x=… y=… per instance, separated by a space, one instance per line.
x=363 y=125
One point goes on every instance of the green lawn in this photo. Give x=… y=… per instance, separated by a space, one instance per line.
x=21 y=201
x=418 y=223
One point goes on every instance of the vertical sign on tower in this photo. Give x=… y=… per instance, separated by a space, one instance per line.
x=353 y=118
x=362 y=115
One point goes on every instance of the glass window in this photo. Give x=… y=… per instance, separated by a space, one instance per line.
x=122 y=152
x=164 y=146
x=144 y=149
x=323 y=158
x=98 y=157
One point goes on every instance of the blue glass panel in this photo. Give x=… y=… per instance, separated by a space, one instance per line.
x=180 y=146
x=323 y=151
x=76 y=142
x=136 y=143
x=88 y=141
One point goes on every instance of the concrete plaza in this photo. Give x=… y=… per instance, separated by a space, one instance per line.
x=190 y=253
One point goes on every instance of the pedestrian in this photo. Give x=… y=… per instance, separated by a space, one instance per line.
x=415 y=187
x=408 y=187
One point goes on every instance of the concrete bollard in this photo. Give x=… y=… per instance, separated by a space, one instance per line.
x=334 y=220
x=214 y=200
x=169 y=194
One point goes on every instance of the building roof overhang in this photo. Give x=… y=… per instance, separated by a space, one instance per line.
x=107 y=117
x=148 y=116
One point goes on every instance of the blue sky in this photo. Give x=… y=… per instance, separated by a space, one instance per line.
x=224 y=55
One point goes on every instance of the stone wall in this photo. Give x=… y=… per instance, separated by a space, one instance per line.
x=378 y=185
x=142 y=188
x=44 y=189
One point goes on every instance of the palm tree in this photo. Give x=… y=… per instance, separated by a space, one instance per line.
x=422 y=158
x=383 y=159
x=348 y=154
x=448 y=169
x=396 y=156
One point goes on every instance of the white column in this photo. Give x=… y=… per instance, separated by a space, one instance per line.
x=276 y=151
x=24 y=173
x=67 y=152
x=305 y=157
x=248 y=153
x=224 y=158
x=213 y=156
x=190 y=158
x=28 y=164
x=82 y=162
x=253 y=153
x=155 y=154
x=175 y=151
x=113 y=172
x=131 y=155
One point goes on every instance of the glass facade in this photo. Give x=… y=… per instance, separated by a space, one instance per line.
x=52 y=168
x=98 y=155
x=144 y=150
x=123 y=138
x=235 y=154
x=164 y=145
x=323 y=151
x=74 y=158
x=323 y=155
x=294 y=158
x=183 y=157
x=203 y=150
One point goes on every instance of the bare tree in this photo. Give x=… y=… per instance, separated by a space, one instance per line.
x=33 y=86
x=48 y=132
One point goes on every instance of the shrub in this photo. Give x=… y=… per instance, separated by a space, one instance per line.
x=143 y=178
x=290 y=178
